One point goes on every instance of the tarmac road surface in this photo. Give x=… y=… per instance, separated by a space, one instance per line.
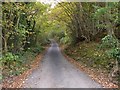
x=56 y=72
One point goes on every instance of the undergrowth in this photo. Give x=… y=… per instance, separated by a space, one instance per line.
x=91 y=55
x=16 y=64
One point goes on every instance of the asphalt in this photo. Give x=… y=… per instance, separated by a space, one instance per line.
x=56 y=72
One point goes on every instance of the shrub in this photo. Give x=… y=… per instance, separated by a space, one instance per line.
x=37 y=49
x=64 y=40
x=15 y=64
x=109 y=42
x=9 y=58
x=114 y=53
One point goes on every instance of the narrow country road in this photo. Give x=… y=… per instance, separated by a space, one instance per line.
x=56 y=72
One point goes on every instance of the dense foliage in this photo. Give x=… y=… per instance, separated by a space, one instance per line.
x=88 y=21
x=21 y=35
x=92 y=22
x=89 y=30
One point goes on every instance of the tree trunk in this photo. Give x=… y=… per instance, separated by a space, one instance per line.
x=108 y=23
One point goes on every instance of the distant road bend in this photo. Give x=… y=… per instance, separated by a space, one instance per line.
x=56 y=72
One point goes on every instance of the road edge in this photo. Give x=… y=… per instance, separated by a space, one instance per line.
x=81 y=67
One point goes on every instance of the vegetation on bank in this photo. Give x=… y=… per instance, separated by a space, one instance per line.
x=91 y=56
x=92 y=34
x=89 y=30
x=16 y=64
x=22 y=37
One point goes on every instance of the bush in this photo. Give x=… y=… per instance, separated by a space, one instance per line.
x=26 y=57
x=11 y=64
x=114 y=53
x=9 y=58
x=109 y=42
x=37 y=49
x=64 y=40
x=15 y=64
x=113 y=44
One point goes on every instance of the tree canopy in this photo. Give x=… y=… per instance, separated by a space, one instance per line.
x=27 y=28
